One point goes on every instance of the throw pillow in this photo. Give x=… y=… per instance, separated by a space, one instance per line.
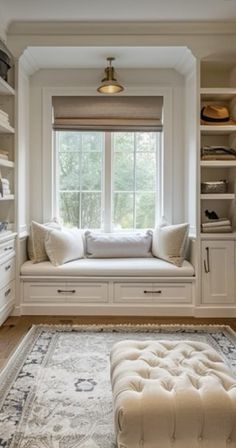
x=170 y=242
x=63 y=246
x=118 y=245
x=38 y=232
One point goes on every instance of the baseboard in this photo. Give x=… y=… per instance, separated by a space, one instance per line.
x=6 y=311
x=215 y=311
x=16 y=311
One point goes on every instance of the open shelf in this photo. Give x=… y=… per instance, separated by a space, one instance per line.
x=218 y=196
x=218 y=236
x=217 y=129
x=5 y=88
x=222 y=93
x=9 y=197
x=6 y=163
x=218 y=163
x=6 y=128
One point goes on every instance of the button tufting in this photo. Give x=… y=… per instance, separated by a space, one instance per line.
x=229 y=440
x=200 y=438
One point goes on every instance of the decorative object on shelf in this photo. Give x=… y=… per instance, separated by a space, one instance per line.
x=109 y=84
x=220 y=186
x=4 y=154
x=4 y=187
x=216 y=115
x=220 y=225
x=218 y=153
x=3 y=226
x=211 y=215
x=5 y=64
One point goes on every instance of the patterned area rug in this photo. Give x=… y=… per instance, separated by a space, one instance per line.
x=55 y=390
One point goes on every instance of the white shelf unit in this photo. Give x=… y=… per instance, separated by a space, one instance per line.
x=214 y=170
x=7 y=143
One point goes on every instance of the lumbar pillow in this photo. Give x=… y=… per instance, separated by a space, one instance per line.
x=118 y=245
x=170 y=241
x=36 y=249
x=63 y=246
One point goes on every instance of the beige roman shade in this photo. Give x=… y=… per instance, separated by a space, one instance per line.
x=108 y=113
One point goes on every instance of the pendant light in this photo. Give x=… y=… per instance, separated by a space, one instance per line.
x=109 y=83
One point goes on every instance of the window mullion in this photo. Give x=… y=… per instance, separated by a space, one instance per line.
x=80 y=181
x=107 y=213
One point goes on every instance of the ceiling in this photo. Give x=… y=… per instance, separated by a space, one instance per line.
x=117 y=10
x=95 y=57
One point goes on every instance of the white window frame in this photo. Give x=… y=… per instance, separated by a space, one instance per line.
x=48 y=155
x=107 y=181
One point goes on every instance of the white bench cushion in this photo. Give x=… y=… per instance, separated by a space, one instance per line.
x=176 y=394
x=115 y=267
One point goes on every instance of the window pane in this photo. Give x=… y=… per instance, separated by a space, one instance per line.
x=91 y=171
x=123 y=171
x=92 y=141
x=146 y=141
x=123 y=141
x=123 y=211
x=69 y=206
x=69 y=141
x=145 y=210
x=145 y=171
x=91 y=211
x=69 y=170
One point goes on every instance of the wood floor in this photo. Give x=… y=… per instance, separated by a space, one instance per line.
x=13 y=330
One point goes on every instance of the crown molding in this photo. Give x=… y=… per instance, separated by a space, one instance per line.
x=185 y=65
x=28 y=63
x=120 y=28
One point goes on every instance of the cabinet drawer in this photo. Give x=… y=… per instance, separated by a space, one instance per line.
x=65 y=292
x=7 y=248
x=7 y=271
x=153 y=292
x=87 y=292
x=7 y=294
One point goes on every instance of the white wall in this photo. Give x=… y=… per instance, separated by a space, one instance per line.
x=89 y=79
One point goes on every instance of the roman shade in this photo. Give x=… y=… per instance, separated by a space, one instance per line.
x=108 y=113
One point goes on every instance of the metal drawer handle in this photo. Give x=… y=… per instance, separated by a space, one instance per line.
x=207 y=263
x=7 y=292
x=7 y=267
x=151 y=292
x=64 y=290
x=8 y=248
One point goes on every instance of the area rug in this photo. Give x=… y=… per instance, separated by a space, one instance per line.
x=55 y=391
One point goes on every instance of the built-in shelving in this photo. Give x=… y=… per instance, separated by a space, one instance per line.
x=218 y=196
x=218 y=163
x=7 y=163
x=218 y=236
x=5 y=88
x=6 y=128
x=9 y=197
x=225 y=94
x=217 y=129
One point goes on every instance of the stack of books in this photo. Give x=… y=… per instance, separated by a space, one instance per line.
x=218 y=153
x=221 y=225
x=4 y=187
x=4 y=117
x=4 y=154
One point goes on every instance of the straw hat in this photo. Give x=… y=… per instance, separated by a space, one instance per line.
x=216 y=115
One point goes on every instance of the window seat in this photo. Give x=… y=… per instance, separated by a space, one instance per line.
x=108 y=267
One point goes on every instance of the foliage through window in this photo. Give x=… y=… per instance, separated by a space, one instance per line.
x=108 y=181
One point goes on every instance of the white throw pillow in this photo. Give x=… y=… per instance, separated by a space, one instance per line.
x=118 y=245
x=169 y=242
x=63 y=246
x=38 y=232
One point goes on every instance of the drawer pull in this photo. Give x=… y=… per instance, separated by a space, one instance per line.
x=65 y=290
x=8 y=248
x=151 y=292
x=7 y=292
x=7 y=267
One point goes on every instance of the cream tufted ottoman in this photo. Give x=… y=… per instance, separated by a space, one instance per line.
x=172 y=395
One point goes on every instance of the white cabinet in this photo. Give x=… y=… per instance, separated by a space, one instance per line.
x=7 y=277
x=218 y=272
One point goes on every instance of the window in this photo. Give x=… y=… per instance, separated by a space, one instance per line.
x=108 y=181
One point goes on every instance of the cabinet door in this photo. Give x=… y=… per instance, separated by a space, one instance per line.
x=218 y=272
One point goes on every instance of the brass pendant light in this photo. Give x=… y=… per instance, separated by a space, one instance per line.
x=109 y=84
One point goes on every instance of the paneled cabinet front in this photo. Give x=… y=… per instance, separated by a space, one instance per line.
x=64 y=292
x=218 y=272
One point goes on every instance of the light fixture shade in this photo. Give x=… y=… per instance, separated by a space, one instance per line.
x=109 y=84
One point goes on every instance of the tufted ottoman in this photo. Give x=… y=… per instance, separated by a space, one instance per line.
x=170 y=394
